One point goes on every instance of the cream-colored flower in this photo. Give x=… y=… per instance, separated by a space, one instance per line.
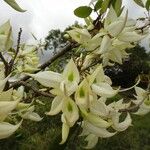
x=7 y=129
x=6 y=40
x=142 y=97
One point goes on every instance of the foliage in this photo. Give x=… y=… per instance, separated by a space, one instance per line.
x=55 y=40
x=14 y=5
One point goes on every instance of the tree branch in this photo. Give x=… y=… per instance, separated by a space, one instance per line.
x=5 y=63
x=17 y=50
x=67 y=48
x=41 y=93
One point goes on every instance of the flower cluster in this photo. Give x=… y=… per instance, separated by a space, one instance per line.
x=84 y=100
x=27 y=60
x=111 y=40
x=11 y=106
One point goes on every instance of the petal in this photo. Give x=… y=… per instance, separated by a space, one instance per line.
x=100 y=132
x=7 y=106
x=56 y=106
x=70 y=87
x=119 y=105
x=116 y=56
x=2 y=83
x=104 y=90
x=143 y=110
x=87 y=61
x=47 y=78
x=18 y=94
x=97 y=76
x=98 y=107
x=57 y=92
x=140 y=92
x=82 y=94
x=111 y=17
x=71 y=72
x=130 y=37
x=6 y=36
x=96 y=121
x=123 y=125
x=65 y=133
x=31 y=116
x=92 y=141
x=94 y=43
x=80 y=35
x=6 y=95
x=7 y=129
x=116 y=27
x=105 y=44
x=70 y=111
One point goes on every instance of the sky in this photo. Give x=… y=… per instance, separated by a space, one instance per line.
x=43 y=15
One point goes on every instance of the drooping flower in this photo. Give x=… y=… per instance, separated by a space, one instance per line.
x=142 y=98
x=67 y=82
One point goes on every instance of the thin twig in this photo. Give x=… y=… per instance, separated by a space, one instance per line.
x=141 y=28
x=11 y=64
x=39 y=93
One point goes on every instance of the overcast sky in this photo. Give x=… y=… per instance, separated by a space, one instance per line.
x=43 y=15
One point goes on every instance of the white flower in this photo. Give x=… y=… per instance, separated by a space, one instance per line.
x=142 y=97
x=120 y=126
x=94 y=119
x=69 y=117
x=7 y=129
x=100 y=83
x=99 y=132
x=67 y=82
x=82 y=36
x=30 y=114
x=92 y=141
x=6 y=41
x=6 y=107
x=27 y=60
x=98 y=107
x=82 y=94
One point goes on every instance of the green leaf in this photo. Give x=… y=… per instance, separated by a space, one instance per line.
x=83 y=11
x=139 y=2
x=147 y=5
x=98 y=5
x=105 y=5
x=14 y=5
